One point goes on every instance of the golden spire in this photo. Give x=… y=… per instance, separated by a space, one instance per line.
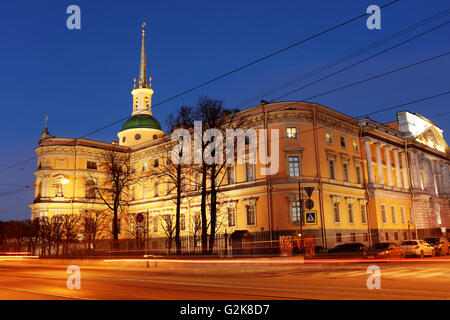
x=142 y=83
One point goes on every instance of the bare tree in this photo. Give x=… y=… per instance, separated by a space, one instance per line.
x=96 y=226
x=113 y=189
x=168 y=225
x=213 y=115
x=56 y=231
x=70 y=230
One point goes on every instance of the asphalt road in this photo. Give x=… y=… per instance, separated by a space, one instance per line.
x=429 y=279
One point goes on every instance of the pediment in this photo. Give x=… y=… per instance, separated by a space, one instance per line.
x=433 y=139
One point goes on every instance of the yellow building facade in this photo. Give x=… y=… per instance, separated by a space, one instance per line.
x=371 y=181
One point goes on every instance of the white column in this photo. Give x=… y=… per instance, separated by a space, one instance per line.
x=397 y=169
x=404 y=170
x=415 y=169
x=369 y=163
x=387 y=151
x=379 y=165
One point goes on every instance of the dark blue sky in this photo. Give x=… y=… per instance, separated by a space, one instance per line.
x=82 y=79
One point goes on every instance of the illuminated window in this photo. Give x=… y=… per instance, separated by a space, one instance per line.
x=336 y=212
x=329 y=137
x=231 y=217
x=355 y=146
x=294 y=166
x=251 y=215
x=295 y=212
x=291 y=132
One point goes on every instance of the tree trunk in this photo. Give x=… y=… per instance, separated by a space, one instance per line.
x=203 y=213
x=213 y=209
x=178 y=213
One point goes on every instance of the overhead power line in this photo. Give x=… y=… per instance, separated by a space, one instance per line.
x=350 y=56
x=296 y=44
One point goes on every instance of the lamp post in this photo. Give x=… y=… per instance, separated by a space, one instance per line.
x=300 y=197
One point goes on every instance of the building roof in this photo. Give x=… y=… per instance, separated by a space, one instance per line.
x=141 y=121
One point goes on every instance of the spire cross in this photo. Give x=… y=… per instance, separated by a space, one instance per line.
x=46 y=119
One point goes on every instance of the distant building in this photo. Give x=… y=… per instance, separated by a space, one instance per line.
x=372 y=182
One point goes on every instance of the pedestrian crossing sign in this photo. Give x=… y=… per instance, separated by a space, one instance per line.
x=311 y=217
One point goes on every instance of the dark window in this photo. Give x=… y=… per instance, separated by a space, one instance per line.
x=338 y=237
x=137 y=136
x=343 y=143
x=92 y=165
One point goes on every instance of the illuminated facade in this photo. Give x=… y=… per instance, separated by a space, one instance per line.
x=372 y=182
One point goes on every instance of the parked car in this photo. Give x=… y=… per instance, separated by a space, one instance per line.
x=440 y=245
x=417 y=248
x=386 y=250
x=349 y=250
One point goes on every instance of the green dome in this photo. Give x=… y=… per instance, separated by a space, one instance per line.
x=141 y=121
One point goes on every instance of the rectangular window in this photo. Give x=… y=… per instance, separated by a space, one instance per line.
x=393 y=214
x=329 y=137
x=144 y=167
x=386 y=234
x=359 y=175
x=405 y=237
x=338 y=237
x=355 y=145
x=231 y=217
x=332 y=169
x=92 y=165
x=294 y=166
x=363 y=213
x=343 y=142
x=366 y=237
x=336 y=213
x=295 y=212
x=346 y=172
x=230 y=175
x=383 y=213
x=251 y=215
x=291 y=133
x=182 y=222
x=132 y=193
x=353 y=237
x=350 y=213
x=396 y=236
x=402 y=215
x=249 y=171
x=155 y=223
